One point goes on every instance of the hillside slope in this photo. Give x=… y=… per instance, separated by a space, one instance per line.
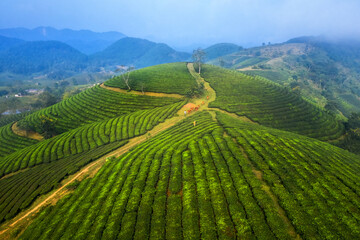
x=269 y=104
x=218 y=180
x=324 y=71
x=164 y=78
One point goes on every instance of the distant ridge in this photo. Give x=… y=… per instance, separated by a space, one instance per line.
x=6 y=43
x=221 y=49
x=51 y=57
x=138 y=52
x=85 y=41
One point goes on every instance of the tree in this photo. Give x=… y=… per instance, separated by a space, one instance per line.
x=125 y=74
x=198 y=57
x=46 y=127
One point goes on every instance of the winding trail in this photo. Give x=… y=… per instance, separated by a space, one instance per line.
x=23 y=219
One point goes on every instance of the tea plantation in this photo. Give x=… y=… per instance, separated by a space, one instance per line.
x=10 y=142
x=164 y=78
x=269 y=104
x=94 y=104
x=220 y=179
x=201 y=174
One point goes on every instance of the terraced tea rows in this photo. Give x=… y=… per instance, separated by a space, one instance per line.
x=20 y=190
x=164 y=78
x=10 y=142
x=207 y=181
x=86 y=138
x=316 y=183
x=269 y=104
x=95 y=104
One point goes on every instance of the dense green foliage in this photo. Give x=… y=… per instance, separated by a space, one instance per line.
x=138 y=52
x=20 y=190
x=10 y=142
x=199 y=182
x=94 y=104
x=164 y=78
x=269 y=104
x=86 y=138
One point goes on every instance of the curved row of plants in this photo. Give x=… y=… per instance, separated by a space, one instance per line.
x=20 y=190
x=193 y=182
x=86 y=138
x=91 y=105
x=10 y=142
x=164 y=78
x=269 y=104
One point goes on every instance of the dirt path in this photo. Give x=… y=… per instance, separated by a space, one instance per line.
x=153 y=94
x=28 y=134
x=264 y=186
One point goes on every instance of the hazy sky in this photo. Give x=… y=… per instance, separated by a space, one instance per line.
x=187 y=22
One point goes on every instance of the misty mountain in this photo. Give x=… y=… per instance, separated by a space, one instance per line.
x=221 y=49
x=51 y=57
x=346 y=51
x=138 y=52
x=6 y=43
x=85 y=41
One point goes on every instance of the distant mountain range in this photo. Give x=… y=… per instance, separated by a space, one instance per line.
x=138 y=52
x=85 y=41
x=58 y=59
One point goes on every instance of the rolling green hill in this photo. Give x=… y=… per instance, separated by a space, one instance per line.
x=269 y=104
x=91 y=105
x=235 y=181
x=324 y=71
x=206 y=174
x=164 y=78
x=49 y=161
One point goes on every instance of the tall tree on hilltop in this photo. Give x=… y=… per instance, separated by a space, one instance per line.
x=198 y=57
